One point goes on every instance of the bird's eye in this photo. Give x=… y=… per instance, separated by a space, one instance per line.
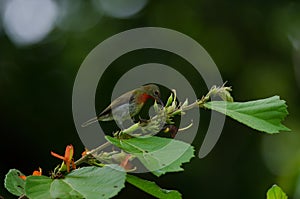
x=156 y=93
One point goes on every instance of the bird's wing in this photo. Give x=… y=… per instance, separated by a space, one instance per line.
x=123 y=99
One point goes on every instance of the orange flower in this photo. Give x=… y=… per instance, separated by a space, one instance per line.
x=68 y=158
x=35 y=173
x=84 y=152
x=125 y=163
x=22 y=177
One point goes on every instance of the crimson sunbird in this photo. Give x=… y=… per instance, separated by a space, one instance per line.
x=127 y=105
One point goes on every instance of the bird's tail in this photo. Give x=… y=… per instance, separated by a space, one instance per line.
x=90 y=121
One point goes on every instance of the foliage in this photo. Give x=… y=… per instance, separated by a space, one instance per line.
x=263 y=115
x=108 y=171
x=152 y=188
x=158 y=155
x=275 y=192
x=13 y=183
x=87 y=182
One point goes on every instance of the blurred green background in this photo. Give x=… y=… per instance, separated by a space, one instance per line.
x=256 y=46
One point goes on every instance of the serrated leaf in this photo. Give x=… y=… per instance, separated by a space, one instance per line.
x=87 y=182
x=159 y=155
x=264 y=115
x=152 y=188
x=39 y=187
x=275 y=192
x=13 y=183
x=173 y=167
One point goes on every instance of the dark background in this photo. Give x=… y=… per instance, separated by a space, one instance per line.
x=254 y=44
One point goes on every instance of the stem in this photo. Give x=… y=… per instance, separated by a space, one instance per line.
x=193 y=105
x=90 y=153
x=187 y=127
x=98 y=164
x=131 y=129
x=197 y=103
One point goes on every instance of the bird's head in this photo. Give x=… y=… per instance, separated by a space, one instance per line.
x=152 y=91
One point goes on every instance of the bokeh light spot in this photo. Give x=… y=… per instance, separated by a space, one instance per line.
x=28 y=22
x=121 y=8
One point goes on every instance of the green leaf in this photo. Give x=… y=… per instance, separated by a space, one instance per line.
x=87 y=182
x=13 y=183
x=159 y=155
x=170 y=100
x=263 y=115
x=39 y=187
x=275 y=192
x=152 y=188
x=175 y=166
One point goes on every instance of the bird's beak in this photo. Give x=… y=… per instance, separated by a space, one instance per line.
x=159 y=101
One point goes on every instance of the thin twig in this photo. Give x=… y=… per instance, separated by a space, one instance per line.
x=90 y=153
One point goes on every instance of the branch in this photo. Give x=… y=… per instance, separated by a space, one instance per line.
x=163 y=116
x=90 y=153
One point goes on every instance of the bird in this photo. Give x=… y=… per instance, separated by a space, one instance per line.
x=127 y=105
